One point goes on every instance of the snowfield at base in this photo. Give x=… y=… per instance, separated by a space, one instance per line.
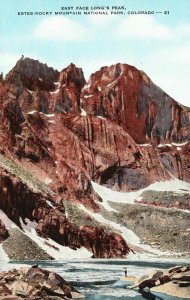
x=63 y=252
x=173 y=185
x=52 y=248
x=6 y=221
x=3 y=255
x=128 y=235
x=8 y=224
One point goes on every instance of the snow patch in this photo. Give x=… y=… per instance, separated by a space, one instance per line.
x=100 y=117
x=49 y=115
x=144 y=145
x=174 y=185
x=83 y=112
x=55 y=92
x=27 y=225
x=50 y=204
x=179 y=144
x=172 y=144
x=88 y=96
x=3 y=254
x=54 y=249
x=162 y=145
x=7 y=222
x=58 y=84
x=47 y=180
x=112 y=83
x=99 y=88
x=31 y=92
x=126 y=233
x=86 y=86
x=32 y=112
x=51 y=121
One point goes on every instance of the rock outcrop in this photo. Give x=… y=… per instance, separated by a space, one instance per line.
x=175 y=158
x=35 y=283
x=20 y=202
x=174 y=282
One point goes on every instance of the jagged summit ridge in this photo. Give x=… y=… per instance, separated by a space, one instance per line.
x=33 y=74
x=120 y=93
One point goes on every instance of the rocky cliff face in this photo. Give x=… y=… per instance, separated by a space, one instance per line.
x=129 y=98
x=3 y=232
x=20 y=202
x=118 y=129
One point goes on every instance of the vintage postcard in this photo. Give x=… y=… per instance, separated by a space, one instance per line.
x=95 y=149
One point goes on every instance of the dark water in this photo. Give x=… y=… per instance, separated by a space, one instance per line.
x=100 y=279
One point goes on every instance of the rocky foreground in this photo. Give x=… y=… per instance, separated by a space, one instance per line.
x=174 y=282
x=34 y=283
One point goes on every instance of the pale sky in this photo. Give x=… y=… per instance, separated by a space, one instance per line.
x=158 y=44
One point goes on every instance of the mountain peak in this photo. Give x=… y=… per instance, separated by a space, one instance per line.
x=73 y=75
x=33 y=74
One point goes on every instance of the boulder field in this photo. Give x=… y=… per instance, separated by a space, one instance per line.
x=35 y=283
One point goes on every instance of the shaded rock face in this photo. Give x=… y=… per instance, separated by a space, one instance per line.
x=38 y=87
x=3 y=232
x=17 y=200
x=66 y=96
x=33 y=75
x=128 y=97
x=101 y=243
x=176 y=159
x=35 y=283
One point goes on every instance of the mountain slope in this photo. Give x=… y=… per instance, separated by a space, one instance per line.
x=58 y=133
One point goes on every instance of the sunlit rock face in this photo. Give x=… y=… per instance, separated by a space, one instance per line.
x=129 y=98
